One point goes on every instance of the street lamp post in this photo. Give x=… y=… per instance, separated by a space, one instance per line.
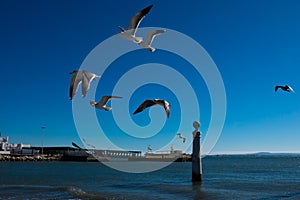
x=43 y=128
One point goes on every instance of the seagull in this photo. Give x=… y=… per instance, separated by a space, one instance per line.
x=149 y=148
x=90 y=145
x=78 y=147
x=181 y=136
x=82 y=149
x=286 y=88
x=79 y=77
x=150 y=37
x=102 y=103
x=149 y=103
x=133 y=26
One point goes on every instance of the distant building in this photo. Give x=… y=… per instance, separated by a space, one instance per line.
x=4 y=147
x=173 y=154
x=22 y=149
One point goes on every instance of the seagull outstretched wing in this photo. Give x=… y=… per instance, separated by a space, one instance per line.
x=86 y=81
x=105 y=99
x=137 y=18
x=75 y=82
x=152 y=34
x=144 y=105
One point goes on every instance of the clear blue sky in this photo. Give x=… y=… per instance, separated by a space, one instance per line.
x=254 y=43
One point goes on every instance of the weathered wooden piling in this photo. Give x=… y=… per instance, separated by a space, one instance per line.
x=196 y=156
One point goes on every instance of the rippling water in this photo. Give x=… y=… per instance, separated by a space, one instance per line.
x=232 y=177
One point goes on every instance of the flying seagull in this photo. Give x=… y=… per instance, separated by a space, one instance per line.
x=149 y=103
x=182 y=137
x=149 y=39
x=133 y=25
x=90 y=145
x=78 y=147
x=79 y=77
x=82 y=149
x=102 y=103
x=286 y=88
x=149 y=148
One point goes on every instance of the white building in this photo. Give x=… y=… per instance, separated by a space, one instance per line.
x=4 y=147
x=20 y=149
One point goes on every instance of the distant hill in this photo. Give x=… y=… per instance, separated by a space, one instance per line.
x=259 y=154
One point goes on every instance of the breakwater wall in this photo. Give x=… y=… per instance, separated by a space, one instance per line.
x=32 y=158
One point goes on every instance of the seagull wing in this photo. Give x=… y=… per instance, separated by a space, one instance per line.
x=144 y=105
x=75 y=81
x=277 y=87
x=77 y=146
x=291 y=89
x=165 y=104
x=87 y=78
x=105 y=99
x=137 y=18
x=152 y=34
x=167 y=109
x=90 y=145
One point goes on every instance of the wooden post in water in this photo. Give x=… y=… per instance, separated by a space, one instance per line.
x=196 y=156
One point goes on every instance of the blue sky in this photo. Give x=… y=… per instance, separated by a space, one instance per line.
x=254 y=44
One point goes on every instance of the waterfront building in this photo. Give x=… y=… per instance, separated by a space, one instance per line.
x=4 y=147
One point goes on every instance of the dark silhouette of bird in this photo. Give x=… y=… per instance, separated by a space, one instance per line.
x=149 y=103
x=78 y=147
x=286 y=88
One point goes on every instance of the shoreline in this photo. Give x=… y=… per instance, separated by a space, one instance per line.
x=29 y=158
x=63 y=158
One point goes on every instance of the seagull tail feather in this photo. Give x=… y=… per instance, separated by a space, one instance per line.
x=122 y=29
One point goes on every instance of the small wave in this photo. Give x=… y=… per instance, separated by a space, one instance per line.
x=33 y=192
x=78 y=193
x=290 y=196
x=52 y=192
